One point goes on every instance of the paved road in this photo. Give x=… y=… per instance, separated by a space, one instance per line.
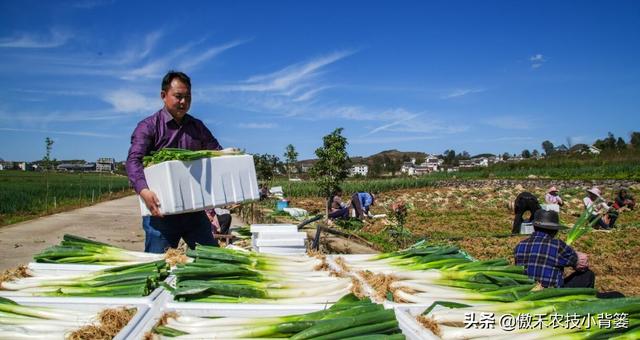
x=116 y=222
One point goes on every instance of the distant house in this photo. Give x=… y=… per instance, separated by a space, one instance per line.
x=359 y=169
x=105 y=165
x=594 y=150
x=76 y=167
x=408 y=168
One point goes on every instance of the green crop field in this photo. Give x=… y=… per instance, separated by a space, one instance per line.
x=627 y=168
x=24 y=195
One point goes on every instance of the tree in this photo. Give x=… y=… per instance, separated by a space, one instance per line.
x=635 y=139
x=449 y=157
x=526 y=153
x=621 y=144
x=535 y=153
x=548 y=148
x=506 y=156
x=266 y=166
x=464 y=155
x=290 y=157
x=46 y=160
x=332 y=166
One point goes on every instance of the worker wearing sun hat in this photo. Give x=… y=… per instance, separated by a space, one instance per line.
x=598 y=207
x=552 y=196
x=544 y=257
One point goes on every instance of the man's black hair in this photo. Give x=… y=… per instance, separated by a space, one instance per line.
x=171 y=75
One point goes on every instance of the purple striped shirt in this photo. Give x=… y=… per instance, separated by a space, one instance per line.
x=159 y=131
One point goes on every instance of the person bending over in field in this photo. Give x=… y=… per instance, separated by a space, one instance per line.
x=525 y=201
x=544 y=257
x=170 y=127
x=624 y=201
x=361 y=202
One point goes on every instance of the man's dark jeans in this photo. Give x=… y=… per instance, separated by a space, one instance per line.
x=165 y=232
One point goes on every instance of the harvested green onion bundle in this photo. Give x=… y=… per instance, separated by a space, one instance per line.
x=37 y=322
x=582 y=226
x=125 y=281
x=75 y=249
x=349 y=318
x=225 y=275
x=174 y=154
x=425 y=274
x=551 y=308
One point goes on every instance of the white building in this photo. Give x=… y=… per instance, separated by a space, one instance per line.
x=359 y=170
x=105 y=165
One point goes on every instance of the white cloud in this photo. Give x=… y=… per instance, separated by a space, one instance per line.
x=461 y=92
x=157 y=67
x=289 y=81
x=537 y=60
x=510 y=122
x=128 y=101
x=55 y=38
x=257 y=125
x=197 y=59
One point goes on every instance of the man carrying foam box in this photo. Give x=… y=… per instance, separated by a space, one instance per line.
x=171 y=127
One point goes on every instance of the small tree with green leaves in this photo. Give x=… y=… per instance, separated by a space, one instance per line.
x=266 y=166
x=46 y=160
x=290 y=158
x=332 y=167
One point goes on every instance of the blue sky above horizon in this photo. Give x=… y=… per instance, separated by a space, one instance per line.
x=479 y=76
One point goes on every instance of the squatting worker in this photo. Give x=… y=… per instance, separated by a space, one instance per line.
x=171 y=127
x=361 y=202
x=544 y=257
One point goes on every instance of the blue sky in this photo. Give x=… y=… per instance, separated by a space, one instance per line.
x=480 y=76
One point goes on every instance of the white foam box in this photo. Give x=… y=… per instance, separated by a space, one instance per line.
x=201 y=184
x=280 y=235
x=411 y=328
x=91 y=306
x=282 y=250
x=526 y=228
x=293 y=242
x=288 y=228
x=25 y=296
x=217 y=310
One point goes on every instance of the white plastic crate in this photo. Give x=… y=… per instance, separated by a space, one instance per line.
x=526 y=228
x=217 y=310
x=78 y=299
x=91 y=306
x=201 y=184
x=282 y=250
x=299 y=242
x=411 y=328
x=279 y=235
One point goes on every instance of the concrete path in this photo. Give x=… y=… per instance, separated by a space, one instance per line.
x=116 y=222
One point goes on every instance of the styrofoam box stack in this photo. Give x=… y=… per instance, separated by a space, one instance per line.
x=283 y=239
x=201 y=184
